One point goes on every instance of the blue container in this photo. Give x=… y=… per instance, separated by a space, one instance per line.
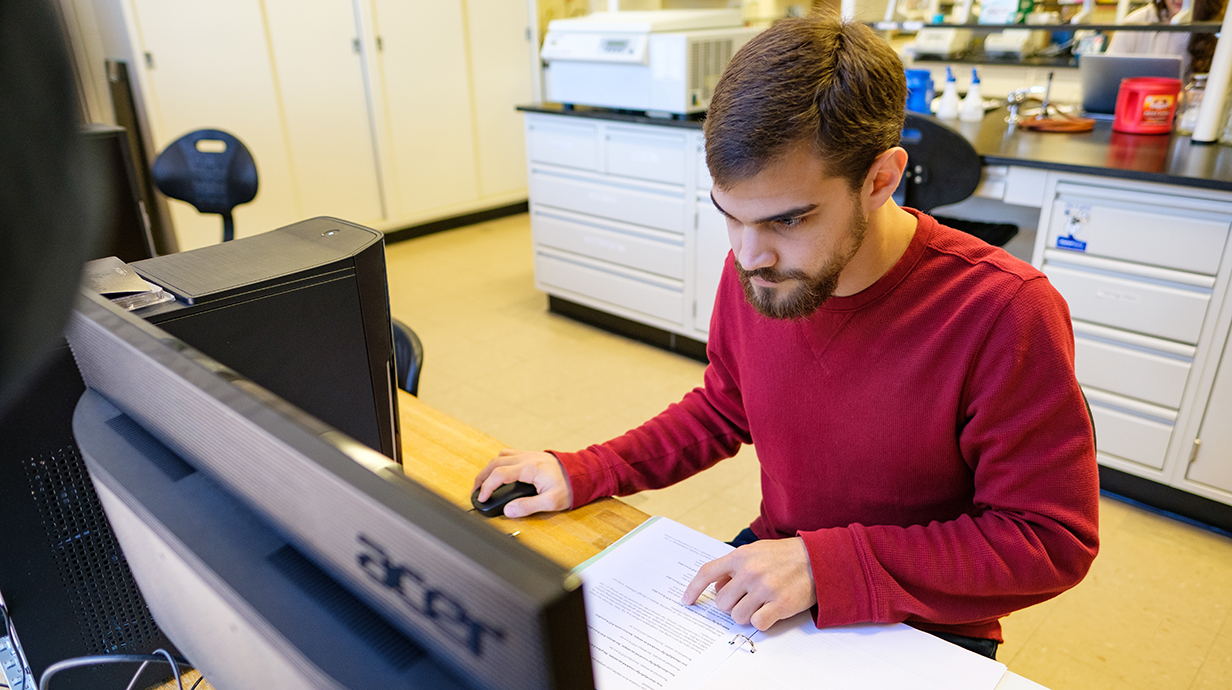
x=920 y=91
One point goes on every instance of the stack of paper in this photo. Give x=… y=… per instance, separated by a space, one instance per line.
x=642 y=638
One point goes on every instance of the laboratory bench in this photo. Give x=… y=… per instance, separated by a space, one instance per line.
x=1133 y=231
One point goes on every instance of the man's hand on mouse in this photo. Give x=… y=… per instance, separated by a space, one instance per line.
x=759 y=583
x=541 y=469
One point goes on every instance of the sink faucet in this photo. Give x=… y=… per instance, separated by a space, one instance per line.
x=1018 y=97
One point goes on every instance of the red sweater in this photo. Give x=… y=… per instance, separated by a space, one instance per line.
x=926 y=437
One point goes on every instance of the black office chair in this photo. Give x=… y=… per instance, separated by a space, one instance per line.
x=210 y=169
x=943 y=168
x=408 y=357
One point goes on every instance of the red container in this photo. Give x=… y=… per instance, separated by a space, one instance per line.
x=1146 y=105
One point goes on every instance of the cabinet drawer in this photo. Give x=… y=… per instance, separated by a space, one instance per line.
x=611 y=284
x=570 y=145
x=1129 y=436
x=1168 y=311
x=631 y=205
x=1154 y=377
x=647 y=250
x=1157 y=234
x=647 y=157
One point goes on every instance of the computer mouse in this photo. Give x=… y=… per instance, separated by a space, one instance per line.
x=495 y=505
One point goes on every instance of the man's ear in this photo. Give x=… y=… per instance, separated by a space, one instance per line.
x=883 y=177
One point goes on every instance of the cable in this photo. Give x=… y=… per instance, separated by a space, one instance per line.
x=132 y=683
x=12 y=634
x=179 y=680
x=80 y=661
x=194 y=685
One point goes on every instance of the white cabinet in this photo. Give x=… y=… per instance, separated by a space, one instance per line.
x=1145 y=270
x=321 y=83
x=384 y=112
x=615 y=213
x=1212 y=456
x=498 y=33
x=425 y=87
x=713 y=247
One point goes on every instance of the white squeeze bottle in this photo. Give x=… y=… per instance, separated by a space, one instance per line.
x=972 y=108
x=947 y=107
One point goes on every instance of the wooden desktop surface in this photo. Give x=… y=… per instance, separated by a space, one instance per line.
x=444 y=455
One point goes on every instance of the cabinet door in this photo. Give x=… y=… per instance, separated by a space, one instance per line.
x=321 y=81
x=500 y=48
x=712 y=248
x=209 y=67
x=1213 y=463
x=425 y=82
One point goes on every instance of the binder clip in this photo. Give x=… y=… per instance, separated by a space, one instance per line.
x=752 y=647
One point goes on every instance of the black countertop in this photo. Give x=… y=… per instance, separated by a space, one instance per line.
x=1168 y=159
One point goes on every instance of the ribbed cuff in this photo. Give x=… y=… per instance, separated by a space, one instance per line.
x=843 y=596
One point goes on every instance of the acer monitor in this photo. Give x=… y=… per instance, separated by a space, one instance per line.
x=275 y=551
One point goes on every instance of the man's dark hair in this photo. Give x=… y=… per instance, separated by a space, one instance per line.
x=807 y=81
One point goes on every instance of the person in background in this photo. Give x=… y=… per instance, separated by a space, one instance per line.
x=926 y=453
x=1195 y=50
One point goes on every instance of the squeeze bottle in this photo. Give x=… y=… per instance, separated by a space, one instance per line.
x=972 y=108
x=947 y=107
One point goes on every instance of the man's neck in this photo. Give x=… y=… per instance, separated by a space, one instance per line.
x=889 y=233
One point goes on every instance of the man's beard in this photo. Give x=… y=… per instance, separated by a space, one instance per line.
x=813 y=290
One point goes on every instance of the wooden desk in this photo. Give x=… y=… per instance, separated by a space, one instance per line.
x=444 y=455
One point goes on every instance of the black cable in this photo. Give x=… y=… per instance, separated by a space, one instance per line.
x=114 y=659
x=194 y=685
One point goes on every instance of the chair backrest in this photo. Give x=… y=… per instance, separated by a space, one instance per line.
x=210 y=169
x=942 y=166
x=408 y=356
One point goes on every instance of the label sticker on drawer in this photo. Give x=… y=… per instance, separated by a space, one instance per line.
x=1076 y=216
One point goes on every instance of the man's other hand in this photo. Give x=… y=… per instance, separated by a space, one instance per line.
x=541 y=469
x=759 y=583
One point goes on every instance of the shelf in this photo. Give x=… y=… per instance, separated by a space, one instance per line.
x=1059 y=62
x=1196 y=27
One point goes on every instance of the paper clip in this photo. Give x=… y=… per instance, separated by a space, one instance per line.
x=752 y=647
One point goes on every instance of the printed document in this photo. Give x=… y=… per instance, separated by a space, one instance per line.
x=642 y=638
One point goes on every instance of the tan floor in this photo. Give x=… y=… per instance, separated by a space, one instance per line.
x=1154 y=613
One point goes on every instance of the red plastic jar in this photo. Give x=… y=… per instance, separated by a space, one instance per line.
x=1146 y=105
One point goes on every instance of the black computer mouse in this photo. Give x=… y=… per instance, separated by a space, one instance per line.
x=495 y=505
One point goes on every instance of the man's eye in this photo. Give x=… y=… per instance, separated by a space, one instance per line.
x=789 y=222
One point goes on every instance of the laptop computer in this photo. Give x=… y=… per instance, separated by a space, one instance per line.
x=1100 y=76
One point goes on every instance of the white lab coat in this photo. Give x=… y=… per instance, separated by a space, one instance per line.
x=1151 y=42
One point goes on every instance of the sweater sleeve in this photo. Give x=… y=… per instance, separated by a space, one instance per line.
x=705 y=427
x=686 y=438
x=1026 y=435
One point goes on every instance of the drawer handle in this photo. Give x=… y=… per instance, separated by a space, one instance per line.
x=603 y=244
x=1118 y=295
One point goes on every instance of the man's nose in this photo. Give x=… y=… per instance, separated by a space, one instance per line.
x=751 y=249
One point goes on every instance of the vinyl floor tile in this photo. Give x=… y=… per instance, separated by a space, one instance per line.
x=1216 y=671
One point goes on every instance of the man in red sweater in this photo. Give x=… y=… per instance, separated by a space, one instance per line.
x=926 y=454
